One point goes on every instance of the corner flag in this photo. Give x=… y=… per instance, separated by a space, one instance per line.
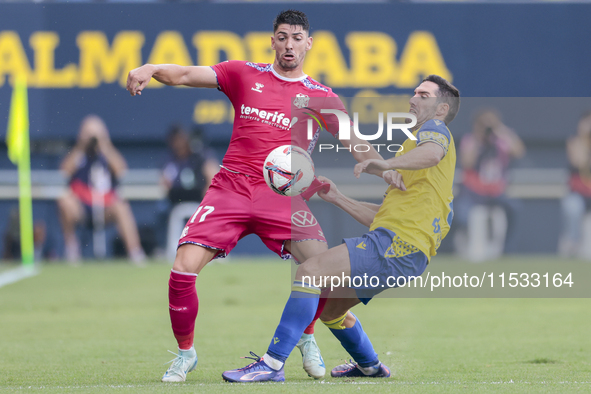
x=18 y=121
x=17 y=140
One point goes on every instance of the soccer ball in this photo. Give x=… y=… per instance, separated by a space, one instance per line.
x=288 y=170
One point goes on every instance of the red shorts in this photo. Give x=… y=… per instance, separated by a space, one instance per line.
x=236 y=205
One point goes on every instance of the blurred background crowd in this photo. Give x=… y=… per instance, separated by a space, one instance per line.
x=115 y=176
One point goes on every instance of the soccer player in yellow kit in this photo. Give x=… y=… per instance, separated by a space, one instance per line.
x=405 y=232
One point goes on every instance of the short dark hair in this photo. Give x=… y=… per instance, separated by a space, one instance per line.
x=448 y=93
x=292 y=18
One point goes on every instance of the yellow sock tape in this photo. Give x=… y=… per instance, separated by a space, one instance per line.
x=338 y=323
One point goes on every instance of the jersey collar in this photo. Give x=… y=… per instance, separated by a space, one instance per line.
x=281 y=77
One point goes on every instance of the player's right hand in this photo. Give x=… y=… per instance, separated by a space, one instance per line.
x=394 y=179
x=332 y=194
x=369 y=166
x=138 y=79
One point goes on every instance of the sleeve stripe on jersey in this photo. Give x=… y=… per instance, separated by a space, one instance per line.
x=267 y=68
x=436 y=126
x=435 y=137
x=309 y=83
x=216 y=78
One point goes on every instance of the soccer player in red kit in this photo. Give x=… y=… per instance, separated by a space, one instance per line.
x=238 y=201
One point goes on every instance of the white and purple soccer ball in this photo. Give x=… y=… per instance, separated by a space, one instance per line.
x=288 y=170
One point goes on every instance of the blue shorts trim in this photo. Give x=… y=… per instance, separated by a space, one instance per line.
x=372 y=268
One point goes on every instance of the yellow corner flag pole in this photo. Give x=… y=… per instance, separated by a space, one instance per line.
x=17 y=140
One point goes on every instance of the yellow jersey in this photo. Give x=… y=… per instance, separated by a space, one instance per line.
x=421 y=215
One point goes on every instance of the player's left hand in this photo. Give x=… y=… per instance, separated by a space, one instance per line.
x=371 y=166
x=394 y=178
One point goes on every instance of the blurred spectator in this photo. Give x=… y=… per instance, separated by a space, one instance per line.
x=577 y=202
x=484 y=214
x=188 y=171
x=12 y=239
x=186 y=175
x=93 y=168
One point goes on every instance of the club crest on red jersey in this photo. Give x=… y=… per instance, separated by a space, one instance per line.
x=301 y=100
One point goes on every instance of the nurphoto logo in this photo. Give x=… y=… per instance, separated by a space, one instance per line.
x=408 y=122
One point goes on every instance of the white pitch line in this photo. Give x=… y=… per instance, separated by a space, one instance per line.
x=16 y=274
x=271 y=384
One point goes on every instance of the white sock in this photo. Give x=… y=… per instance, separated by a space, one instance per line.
x=369 y=370
x=186 y=352
x=273 y=363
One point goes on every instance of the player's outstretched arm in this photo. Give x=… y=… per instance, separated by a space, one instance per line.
x=362 y=150
x=170 y=74
x=425 y=155
x=362 y=153
x=363 y=212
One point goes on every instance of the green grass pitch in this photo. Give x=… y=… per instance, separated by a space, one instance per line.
x=104 y=328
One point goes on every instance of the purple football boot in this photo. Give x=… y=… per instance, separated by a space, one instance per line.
x=352 y=370
x=257 y=371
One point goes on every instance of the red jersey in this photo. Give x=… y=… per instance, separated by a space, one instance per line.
x=263 y=113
